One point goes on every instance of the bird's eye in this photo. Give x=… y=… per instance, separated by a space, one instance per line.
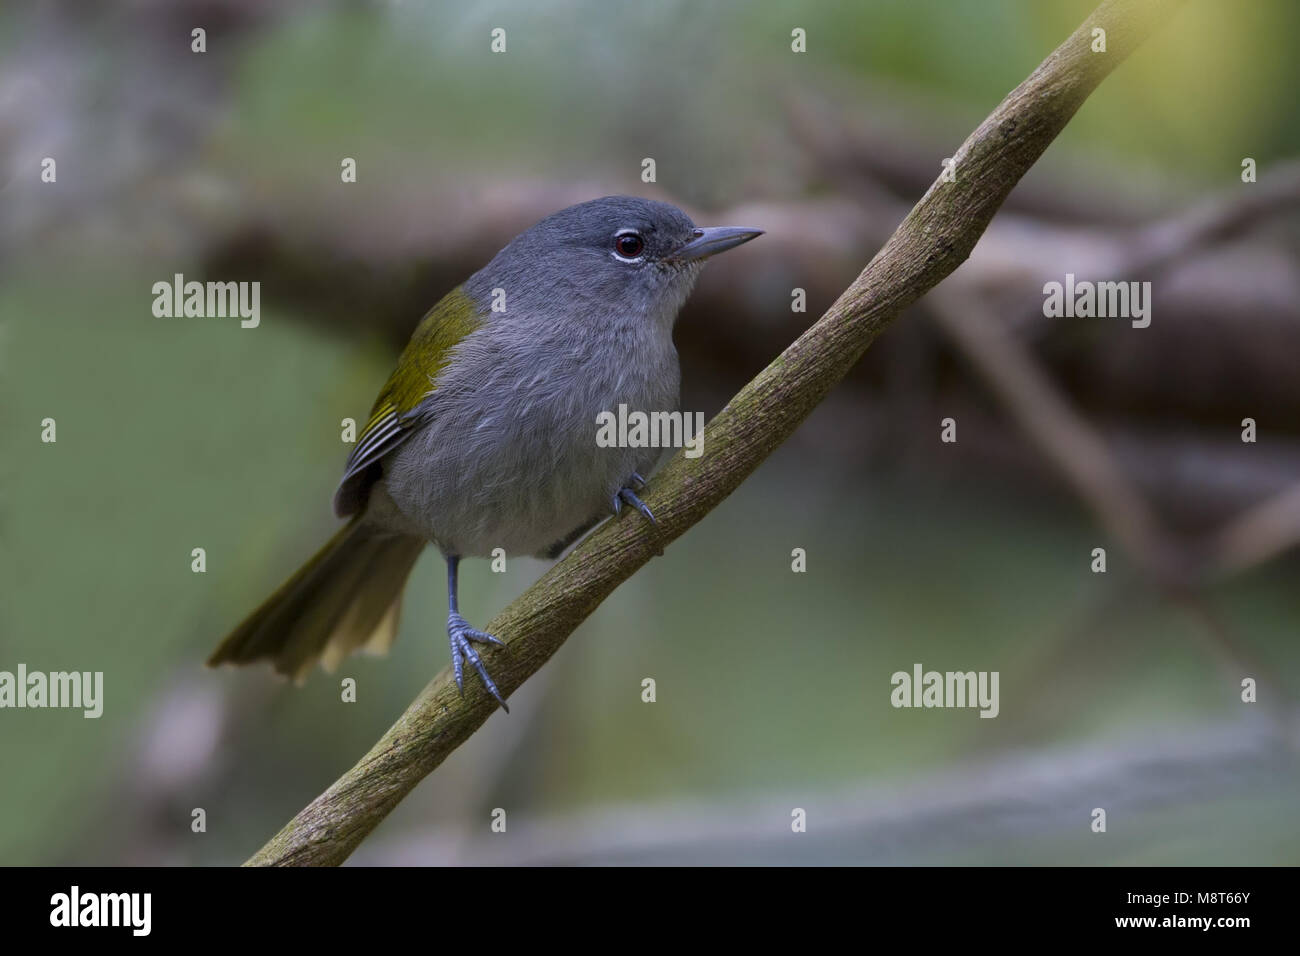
x=628 y=245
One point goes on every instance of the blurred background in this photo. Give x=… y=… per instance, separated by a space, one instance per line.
x=1119 y=690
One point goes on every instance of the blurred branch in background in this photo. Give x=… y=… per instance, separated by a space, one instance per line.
x=1261 y=533
x=932 y=241
x=1063 y=437
x=1218 y=219
x=1175 y=566
x=1015 y=807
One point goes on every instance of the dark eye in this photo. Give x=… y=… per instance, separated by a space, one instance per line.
x=628 y=245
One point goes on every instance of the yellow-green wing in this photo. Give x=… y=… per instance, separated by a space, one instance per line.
x=447 y=323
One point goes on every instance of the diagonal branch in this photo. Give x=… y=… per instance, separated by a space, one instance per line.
x=935 y=237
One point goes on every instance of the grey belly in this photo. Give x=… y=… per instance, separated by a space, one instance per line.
x=473 y=481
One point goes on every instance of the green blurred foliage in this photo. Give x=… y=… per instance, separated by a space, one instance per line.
x=700 y=86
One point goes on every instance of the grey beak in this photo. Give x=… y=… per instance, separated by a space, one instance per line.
x=715 y=239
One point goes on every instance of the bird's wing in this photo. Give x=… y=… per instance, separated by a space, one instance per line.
x=391 y=420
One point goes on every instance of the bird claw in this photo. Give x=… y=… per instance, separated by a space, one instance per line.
x=628 y=495
x=463 y=638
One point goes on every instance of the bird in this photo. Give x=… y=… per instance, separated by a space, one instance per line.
x=484 y=435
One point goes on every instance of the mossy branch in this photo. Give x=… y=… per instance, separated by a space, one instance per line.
x=933 y=240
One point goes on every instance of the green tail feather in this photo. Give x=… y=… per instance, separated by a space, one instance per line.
x=346 y=597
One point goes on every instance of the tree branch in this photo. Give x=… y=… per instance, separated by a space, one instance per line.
x=933 y=240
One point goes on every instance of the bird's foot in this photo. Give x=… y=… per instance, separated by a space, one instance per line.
x=626 y=494
x=463 y=638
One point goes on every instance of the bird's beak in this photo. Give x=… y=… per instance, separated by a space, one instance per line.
x=715 y=239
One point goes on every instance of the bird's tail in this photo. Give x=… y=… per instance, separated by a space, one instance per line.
x=346 y=597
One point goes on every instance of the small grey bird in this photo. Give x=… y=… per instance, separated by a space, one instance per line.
x=484 y=436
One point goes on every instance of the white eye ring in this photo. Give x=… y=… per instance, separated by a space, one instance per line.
x=622 y=258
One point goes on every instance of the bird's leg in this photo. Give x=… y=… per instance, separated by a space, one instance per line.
x=463 y=638
x=627 y=494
